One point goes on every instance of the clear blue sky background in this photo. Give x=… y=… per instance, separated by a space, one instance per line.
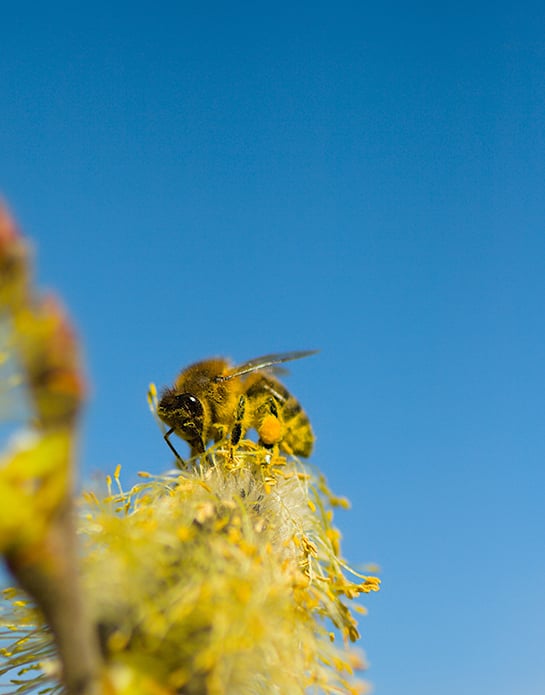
x=241 y=178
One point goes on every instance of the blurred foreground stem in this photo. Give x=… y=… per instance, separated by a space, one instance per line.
x=37 y=528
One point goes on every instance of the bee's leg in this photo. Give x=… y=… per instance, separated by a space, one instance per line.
x=179 y=460
x=270 y=428
x=236 y=432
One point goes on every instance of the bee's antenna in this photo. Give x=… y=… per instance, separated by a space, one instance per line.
x=171 y=445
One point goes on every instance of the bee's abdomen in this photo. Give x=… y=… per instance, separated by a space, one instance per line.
x=297 y=435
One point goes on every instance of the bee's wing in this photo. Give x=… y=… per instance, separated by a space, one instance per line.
x=263 y=362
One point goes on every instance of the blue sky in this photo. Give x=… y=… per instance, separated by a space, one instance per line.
x=243 y=178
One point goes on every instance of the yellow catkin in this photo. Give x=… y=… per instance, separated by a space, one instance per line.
x=216 y=580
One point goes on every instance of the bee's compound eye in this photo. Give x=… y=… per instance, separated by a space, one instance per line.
x=190 y=403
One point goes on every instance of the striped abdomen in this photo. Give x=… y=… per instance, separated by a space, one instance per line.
x=268 y=400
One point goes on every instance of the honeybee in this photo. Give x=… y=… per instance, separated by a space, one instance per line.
x=211 y=400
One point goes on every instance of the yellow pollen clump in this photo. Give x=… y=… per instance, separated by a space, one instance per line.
x=270 y=430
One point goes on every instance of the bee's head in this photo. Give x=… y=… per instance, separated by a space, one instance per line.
x=183 y=412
